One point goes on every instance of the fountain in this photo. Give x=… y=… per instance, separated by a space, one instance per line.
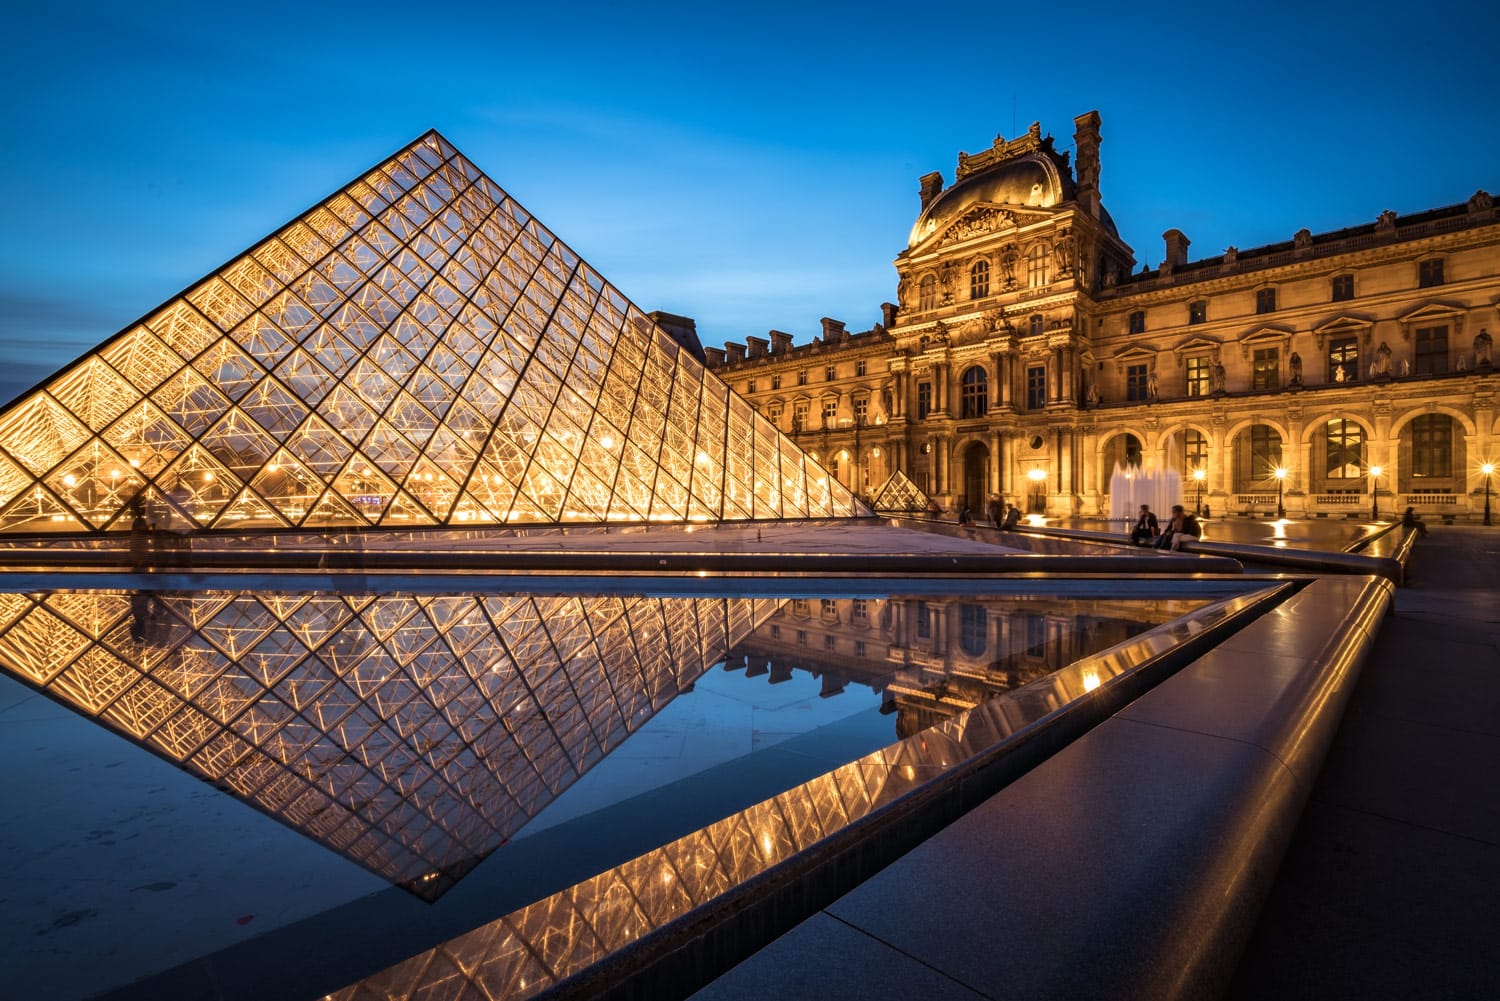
x=1131 y=486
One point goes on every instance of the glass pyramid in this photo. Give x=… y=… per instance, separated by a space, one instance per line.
x=415 y=350
x=900 y=495
x=410 y=733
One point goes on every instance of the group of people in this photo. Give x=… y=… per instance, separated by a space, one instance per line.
x=1181 y=528
x=1005 y=517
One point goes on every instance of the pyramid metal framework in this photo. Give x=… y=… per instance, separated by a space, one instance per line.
x=900 y=494
x=412 y=734
x=415 y=350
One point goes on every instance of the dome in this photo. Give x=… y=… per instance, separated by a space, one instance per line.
x=1032 y=181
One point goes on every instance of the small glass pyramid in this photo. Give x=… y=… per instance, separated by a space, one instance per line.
x=416 y=350
x=900 y=495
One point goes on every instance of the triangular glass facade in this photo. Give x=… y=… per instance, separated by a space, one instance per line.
x=900 y=495
x=411 y=733
x=415 y=350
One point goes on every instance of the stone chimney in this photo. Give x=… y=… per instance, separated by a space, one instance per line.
x=757 y=347
x=781 y=342
x=1177 y=245
x=734 y=352
x=715 y=356
x=833 y=330
x=1086 y=146
x=888 y=314
x=932 y=186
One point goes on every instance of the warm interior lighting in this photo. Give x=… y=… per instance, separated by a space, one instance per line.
x=1036 y=475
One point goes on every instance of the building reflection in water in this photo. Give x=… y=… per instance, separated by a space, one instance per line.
x=415 y=733
x=938 y=656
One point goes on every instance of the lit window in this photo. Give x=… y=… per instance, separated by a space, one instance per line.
x=861 y=410
x=928 y=298
x=1430 y=273
x=799 y=415
x=1343 y=359
x=1346 y=449
x=1194 y=452
x=830 y=410
x=1265 y=300
x=1265 y=452
x=1197 y=376
x=1038 y=266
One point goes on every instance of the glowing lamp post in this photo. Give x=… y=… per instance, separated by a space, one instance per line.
x=1488 y=469
x=1375 y=472
x=1200 y=474
x=1036 y=476
x=1280 y=474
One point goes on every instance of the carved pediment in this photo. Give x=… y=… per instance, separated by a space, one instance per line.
x=1264 y=336
x=1197 y=344
x=1133 y=356
x=1344 y=323
x=1432 y=314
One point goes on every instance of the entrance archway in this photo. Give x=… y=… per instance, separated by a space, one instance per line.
x=976 y=476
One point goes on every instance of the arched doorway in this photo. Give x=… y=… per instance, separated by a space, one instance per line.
x=976 y=476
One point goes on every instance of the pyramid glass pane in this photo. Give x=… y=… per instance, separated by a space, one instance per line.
x=417 y=327
x=899 y=494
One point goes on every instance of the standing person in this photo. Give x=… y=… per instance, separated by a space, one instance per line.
x=996 y=512
x=1146 y=528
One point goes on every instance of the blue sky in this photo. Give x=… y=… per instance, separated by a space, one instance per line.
x=752 y=166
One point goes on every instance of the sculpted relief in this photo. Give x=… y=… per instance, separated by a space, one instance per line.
x=980 y=222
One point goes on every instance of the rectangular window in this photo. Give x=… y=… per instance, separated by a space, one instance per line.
x=861 y=410
x=859 y=610
x=1135 y=383
x=859 y=368
x=830 y=373
x=1036 y=387
x=1343 y=359
x=1138 y=322
x=799 y=417
x=1036 y=635
x=1197 y=376
x=1432 y=350
x=1194 y=453
x=859 y=648
x=1265 y=300
x=1430 y=273
x=1265 y=372
x=924 y=621
x=829 y=643
x=802 y=377
x=924 y=400
x=750 y=386
x=776 y=632
x=776 y=381
x=1198 y=312
x=1432 y=446
x=801 y=637
x=1343 y=288
x=1346 y=450
x=830 y=411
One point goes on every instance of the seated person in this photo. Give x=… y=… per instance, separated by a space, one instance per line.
x=1409 y=520
x=1182 y=528
x=1146 y=528
x=1012 y=517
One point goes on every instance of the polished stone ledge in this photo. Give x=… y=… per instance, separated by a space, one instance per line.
x=1133 y=863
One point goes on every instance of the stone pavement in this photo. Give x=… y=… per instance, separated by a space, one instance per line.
x=1391 y=887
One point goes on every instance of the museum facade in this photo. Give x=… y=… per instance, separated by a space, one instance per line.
x=1026 y=358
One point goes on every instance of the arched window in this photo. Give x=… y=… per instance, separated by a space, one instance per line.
x=928 y=289
x=1432 y=446
x=1038 y=266
x=1194 y=452
x=974 y=399
x=979 y=280
x=1265 y=452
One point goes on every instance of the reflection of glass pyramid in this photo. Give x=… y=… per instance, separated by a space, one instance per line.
x=415 y=350
x=411 y=733
x=899 y=493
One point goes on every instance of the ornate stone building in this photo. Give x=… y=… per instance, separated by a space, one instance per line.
x=1026 y=357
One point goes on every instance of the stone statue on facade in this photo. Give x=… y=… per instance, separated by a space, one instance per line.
x=1380 y=368
x=1093 y=394
x=1483 y=345
x=1008 y=258
x=1216 y=377
x=1151 y=386
x=1294 y=363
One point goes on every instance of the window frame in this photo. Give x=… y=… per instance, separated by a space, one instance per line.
x=979 y=279
x=1346 y=438
x=1265 y=369
x=1341 y=288
x=1430 y=273
x=1197 y=312
x=974 y=390
x=1430 y=350
x=1036 y=387
x=1137 y=380
x=1265 y=300
x=1199 y=378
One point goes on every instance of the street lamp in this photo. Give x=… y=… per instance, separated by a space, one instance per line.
x=1200 y=474
x=1375 y=472
x=1280 y=473
x=1488 y=469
